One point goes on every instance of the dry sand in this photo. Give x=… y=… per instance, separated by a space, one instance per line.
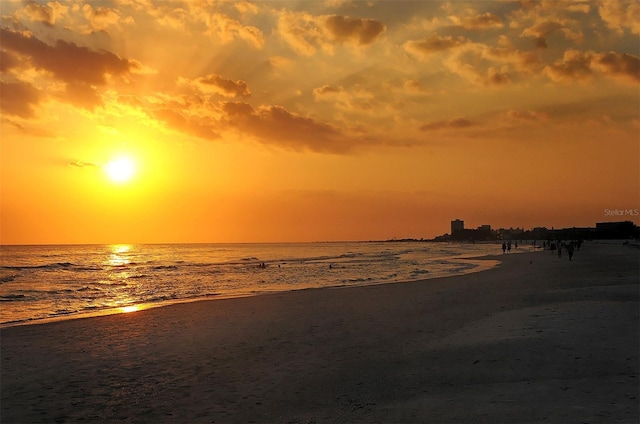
x=537 y=339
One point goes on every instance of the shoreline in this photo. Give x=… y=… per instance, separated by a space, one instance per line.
x=212 y=297
x=533 y=339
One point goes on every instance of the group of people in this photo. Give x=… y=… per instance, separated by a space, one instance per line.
x=506 y=247
x=560 y=246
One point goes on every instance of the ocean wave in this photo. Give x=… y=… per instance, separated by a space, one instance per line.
x=357 y=280
x=156 y=276
x=55 y=265
x=7 y=278
x=88 y=288
x=12 y=297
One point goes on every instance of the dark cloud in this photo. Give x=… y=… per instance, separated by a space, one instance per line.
x=276 y=125
x=81 y=68
x=327 y=90
x=224 y=86
x=8 y=61
x=496 y=77
x=67 y=61
x=540 y=42
x=543 y=29
x=618 y=64
x=199 y=127
x=83 y=95
x=361 y=31
x=18 y=99
x=433 y=44
x=577 y=65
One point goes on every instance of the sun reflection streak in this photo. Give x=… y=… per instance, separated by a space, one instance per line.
x=118 y=256
x=129 y=309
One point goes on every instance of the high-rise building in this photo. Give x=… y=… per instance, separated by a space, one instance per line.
x=457 y=226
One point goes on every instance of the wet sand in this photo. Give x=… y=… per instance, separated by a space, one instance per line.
x=537 y=339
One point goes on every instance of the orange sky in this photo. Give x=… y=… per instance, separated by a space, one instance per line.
x=314 y=120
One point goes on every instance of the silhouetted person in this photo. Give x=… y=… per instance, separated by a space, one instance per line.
x=509 y=247
x=504 y=247
x=570 y=250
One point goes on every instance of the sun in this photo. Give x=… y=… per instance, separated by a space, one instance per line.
x=120 y=170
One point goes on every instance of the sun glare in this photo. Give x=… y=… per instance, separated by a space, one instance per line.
x=120 y=170
x=129 y=309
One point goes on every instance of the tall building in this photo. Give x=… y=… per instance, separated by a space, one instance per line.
x=457 y=226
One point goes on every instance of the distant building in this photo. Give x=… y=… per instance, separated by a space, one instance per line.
x=615 y=230
x=457 y=227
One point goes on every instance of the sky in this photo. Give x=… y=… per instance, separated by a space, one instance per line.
x=142 y=121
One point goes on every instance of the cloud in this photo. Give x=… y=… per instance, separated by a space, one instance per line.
x=475 y=62
x=227 y=29
x=18 y=99
x=67 y=61
x=102 y=18
x=276 y=126
x=621 y=15
x=355 y=99
x=478 y=22
x=485 y=65
x=527 y=62
x=47 y=14
x=269 y=125
x=80 y=68
x=433 y=44
x=356 y=30
x=300 y=31
x=544 y=29
x=204 y=128
x=213 y=83
x=415 y=87
x=450 y=124
x=576 y=65
x=327 y=91
x=305 y=33
x=245 y=7
x=8 y=61
x=83 y=164
x=622 y=65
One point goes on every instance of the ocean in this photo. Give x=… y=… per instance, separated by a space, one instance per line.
x=48 y=281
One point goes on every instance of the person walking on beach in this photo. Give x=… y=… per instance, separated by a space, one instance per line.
x=509 y=247
x=504 y=248
x=570 y=250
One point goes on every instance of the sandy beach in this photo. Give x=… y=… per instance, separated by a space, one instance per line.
x=536 y=339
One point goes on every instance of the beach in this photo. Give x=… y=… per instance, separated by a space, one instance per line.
x=536 y=339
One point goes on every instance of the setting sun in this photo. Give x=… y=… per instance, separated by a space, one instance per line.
x=120 y=170
x=316 y=120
